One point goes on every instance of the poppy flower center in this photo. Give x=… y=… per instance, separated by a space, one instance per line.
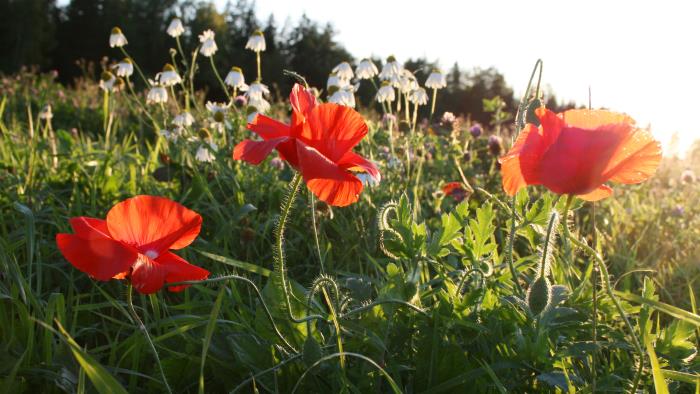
x=152 y=254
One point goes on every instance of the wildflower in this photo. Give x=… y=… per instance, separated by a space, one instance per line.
x=318 y=143
x=343 y=71
x=240 y=101
x=260 y=104
x=455 y=190
x=183 y=120
x=171 y=136
x=495 y=145
x=175 y=29
x=157 y=94
x=46 y=113
x=578 y=151
x=419 y=97
x=204 y=152
x=436 y=80
x=335 y=81
x=235 y=79
x=390 y=70
x=448 y=118
x=688 y=176
x=125 y=68
x=256 y=90
x=475 y=130
x=215 y=107
x=117 y=38
x=366 y=69
x=256 y=42
x=343 y=96
x=134 y=242
x=169 y=77
x=277 y=163
x=407 y=81
x=208 y=47
x=107 y=81
x=386 y=93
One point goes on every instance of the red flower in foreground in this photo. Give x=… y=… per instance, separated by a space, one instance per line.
x=455 y=190
x=134 y=243
x=318 y=143
x=578 y=151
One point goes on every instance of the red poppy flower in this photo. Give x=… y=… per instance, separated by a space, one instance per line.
x=578 y=151
x=318 y=143
x=455 y=190
x=134 y=242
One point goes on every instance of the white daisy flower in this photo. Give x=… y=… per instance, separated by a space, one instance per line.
x=436 y=80
x=46 y=113
x=367 y=179
x=343 y=71
x=157 y=94
x=344 y=97
x=407 y=81
x=366 y=69
x=204 y=153
x=256 y=42
x=124 y=68
x=107 y=81
x=117 y=38
x=256 y=90
x=169 y=77
x=183 y=120
x=419 y=96
x=390 y=70
x=235 y=78
x=335 y=80
x=386 y=93
x=251 y=116
x=260 y=104
x=208 y=47
x=215 y=107
x=175 y=29
x=173 y=135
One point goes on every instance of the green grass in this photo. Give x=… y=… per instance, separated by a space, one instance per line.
x=427 y=302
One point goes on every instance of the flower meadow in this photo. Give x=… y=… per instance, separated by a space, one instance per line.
x=305 y=241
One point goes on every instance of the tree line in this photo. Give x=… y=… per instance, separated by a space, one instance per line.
x=50 y=36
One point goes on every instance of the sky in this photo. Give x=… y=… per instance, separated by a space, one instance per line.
x=638 y=57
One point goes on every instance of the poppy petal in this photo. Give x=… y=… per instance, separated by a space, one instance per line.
x=450 y=187
x=101 y=258
x=593 y=119
x=148 y=276
x=326 y=180
x=354 y=162
x=303 y=101
x=89 y=228
x=268 y=128
x=636 y=159
x=153 y=224
x=600 y=193
x=256 y=151
x=178 y=269
x=519 y=166
x=333 y=130
x=551 y=125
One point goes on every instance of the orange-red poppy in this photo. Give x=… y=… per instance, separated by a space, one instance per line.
x=318 y=143
x=135 y=242
x=578 y=151
x=455 y=190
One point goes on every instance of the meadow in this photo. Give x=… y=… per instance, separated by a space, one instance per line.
x=403 y=267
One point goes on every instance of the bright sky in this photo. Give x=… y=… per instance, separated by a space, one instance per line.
x=639 y=57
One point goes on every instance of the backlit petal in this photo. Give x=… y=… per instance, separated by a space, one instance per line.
x=637 y=158
x=303 y=101
x=256 y=151
x=148 y=275
x=354 y=162
x=101 y=258
x=600 y=193
x=592 y=119
x=329 y=182
x=520 y=165
x=333 y=130
x=268 y=128
x=179 y=270
x=153 y=224
x=89 y=228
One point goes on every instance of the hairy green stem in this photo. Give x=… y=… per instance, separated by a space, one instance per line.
x=144 y=330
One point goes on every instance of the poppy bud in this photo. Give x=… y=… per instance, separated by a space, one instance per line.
x=539 y=295
x=495 y=145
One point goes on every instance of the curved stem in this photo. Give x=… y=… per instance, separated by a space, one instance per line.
x=257 y=292
x=218 y=77
x=143 y=329
x=594 y=281
x=605 y=277
x=257 y=59
x=280 y=264
x=511 y=241
x=389 y=301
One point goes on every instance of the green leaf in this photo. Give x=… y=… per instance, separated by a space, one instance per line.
x=256 y=269
x=659 y=382
x=103 y=381
x=678 y=313
x=208 y=334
